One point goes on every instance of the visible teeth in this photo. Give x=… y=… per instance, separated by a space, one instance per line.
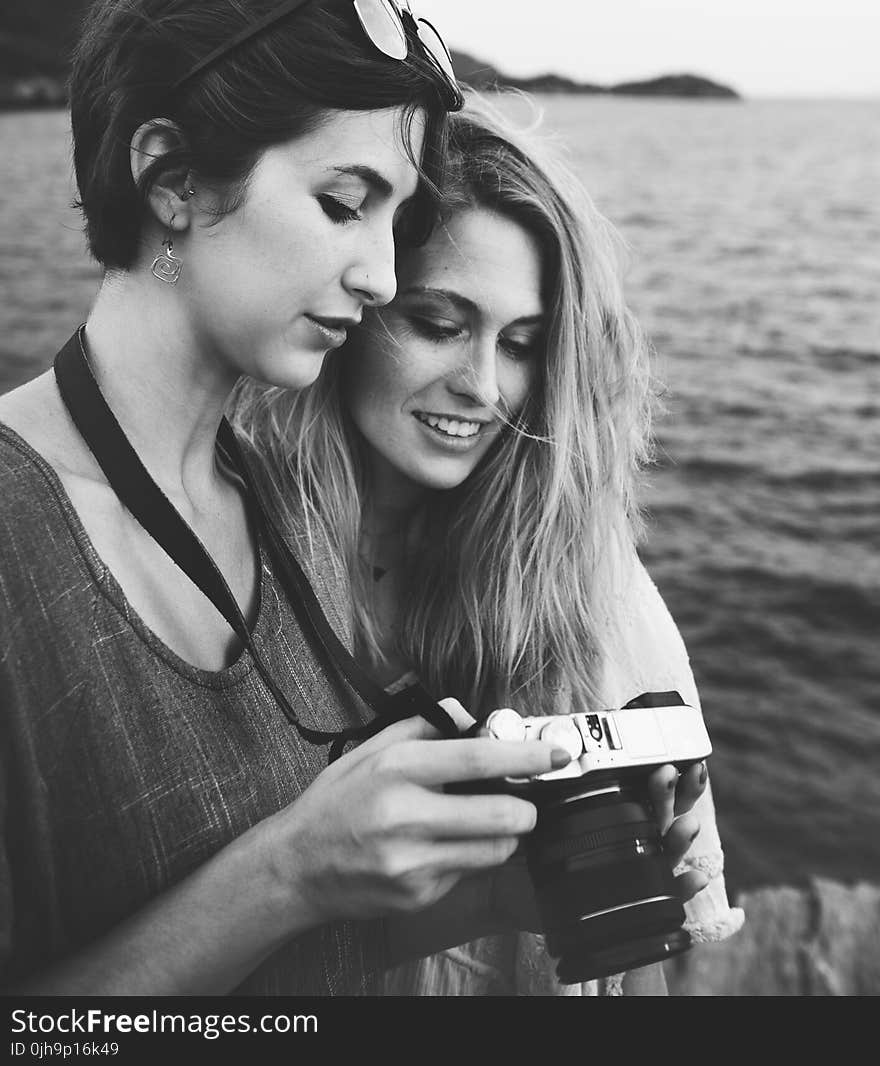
x=452 y=426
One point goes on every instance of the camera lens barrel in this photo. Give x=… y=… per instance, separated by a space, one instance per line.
x=604 y=887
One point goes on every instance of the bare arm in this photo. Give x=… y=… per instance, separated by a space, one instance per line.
x=204 y=936
x=374 y=834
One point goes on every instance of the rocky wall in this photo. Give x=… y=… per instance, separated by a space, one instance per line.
x=822 y=939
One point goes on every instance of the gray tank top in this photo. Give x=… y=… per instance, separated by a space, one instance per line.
x=123 y=767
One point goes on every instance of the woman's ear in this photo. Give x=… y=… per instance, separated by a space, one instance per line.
x=169 y=197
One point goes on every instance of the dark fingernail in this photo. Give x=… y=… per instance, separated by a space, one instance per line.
x=703 y=773
x=559 y=757
x=674 y=781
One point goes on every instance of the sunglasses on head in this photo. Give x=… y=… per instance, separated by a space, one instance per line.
x=383 y=21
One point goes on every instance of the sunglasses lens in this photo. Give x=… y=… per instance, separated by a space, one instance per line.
x=382 y=25
x=433 y=43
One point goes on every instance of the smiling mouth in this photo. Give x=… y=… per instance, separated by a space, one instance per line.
x=451 y=427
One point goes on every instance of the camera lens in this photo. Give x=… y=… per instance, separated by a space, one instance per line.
x=604 y=887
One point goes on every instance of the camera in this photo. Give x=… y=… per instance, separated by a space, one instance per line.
x=604 y=888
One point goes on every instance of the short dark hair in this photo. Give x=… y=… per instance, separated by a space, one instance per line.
x=277 y=86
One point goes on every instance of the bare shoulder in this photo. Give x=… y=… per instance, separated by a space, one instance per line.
x=37 y=414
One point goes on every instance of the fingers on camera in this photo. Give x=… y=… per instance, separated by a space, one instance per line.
x=680 y=835
x=690 y=883
x=691 y=786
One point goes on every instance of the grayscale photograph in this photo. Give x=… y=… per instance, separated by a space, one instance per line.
x=439 y=509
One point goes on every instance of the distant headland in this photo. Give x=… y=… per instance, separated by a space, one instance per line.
x=36 y=39
x=482 y=75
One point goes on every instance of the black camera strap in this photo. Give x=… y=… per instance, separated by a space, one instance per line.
x=136 y=489
x=655 y=699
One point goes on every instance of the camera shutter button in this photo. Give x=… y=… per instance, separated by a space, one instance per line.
x=563 y=733
x=506 y=724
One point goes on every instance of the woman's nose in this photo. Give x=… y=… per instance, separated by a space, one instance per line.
x=371 y=277
x=478 y=375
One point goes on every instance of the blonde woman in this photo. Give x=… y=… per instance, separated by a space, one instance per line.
x=472 y=457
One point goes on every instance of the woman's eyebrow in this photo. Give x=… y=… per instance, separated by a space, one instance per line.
x=371 y=177
x=529 y=320
x=463 y=304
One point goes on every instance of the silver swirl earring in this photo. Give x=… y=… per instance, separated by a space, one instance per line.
x=167 y=266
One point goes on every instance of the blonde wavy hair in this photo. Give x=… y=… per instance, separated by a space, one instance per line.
x=510 y=575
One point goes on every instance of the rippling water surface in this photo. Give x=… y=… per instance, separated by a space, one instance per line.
x=754 y=231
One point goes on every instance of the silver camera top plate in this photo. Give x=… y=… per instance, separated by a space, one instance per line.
x=611 y=739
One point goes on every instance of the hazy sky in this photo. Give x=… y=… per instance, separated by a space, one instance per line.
x=760 y=47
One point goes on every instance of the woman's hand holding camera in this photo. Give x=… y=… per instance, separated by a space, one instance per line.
x=673 y=795
x=376 y=833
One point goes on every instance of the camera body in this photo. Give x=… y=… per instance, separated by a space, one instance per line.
x=620 y=743
x=605 y=890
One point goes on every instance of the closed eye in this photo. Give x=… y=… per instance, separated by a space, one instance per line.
x=433 y=330
x=519 y=350
x=337 y=211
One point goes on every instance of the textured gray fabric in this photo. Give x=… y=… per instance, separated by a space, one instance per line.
x=124 y=767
